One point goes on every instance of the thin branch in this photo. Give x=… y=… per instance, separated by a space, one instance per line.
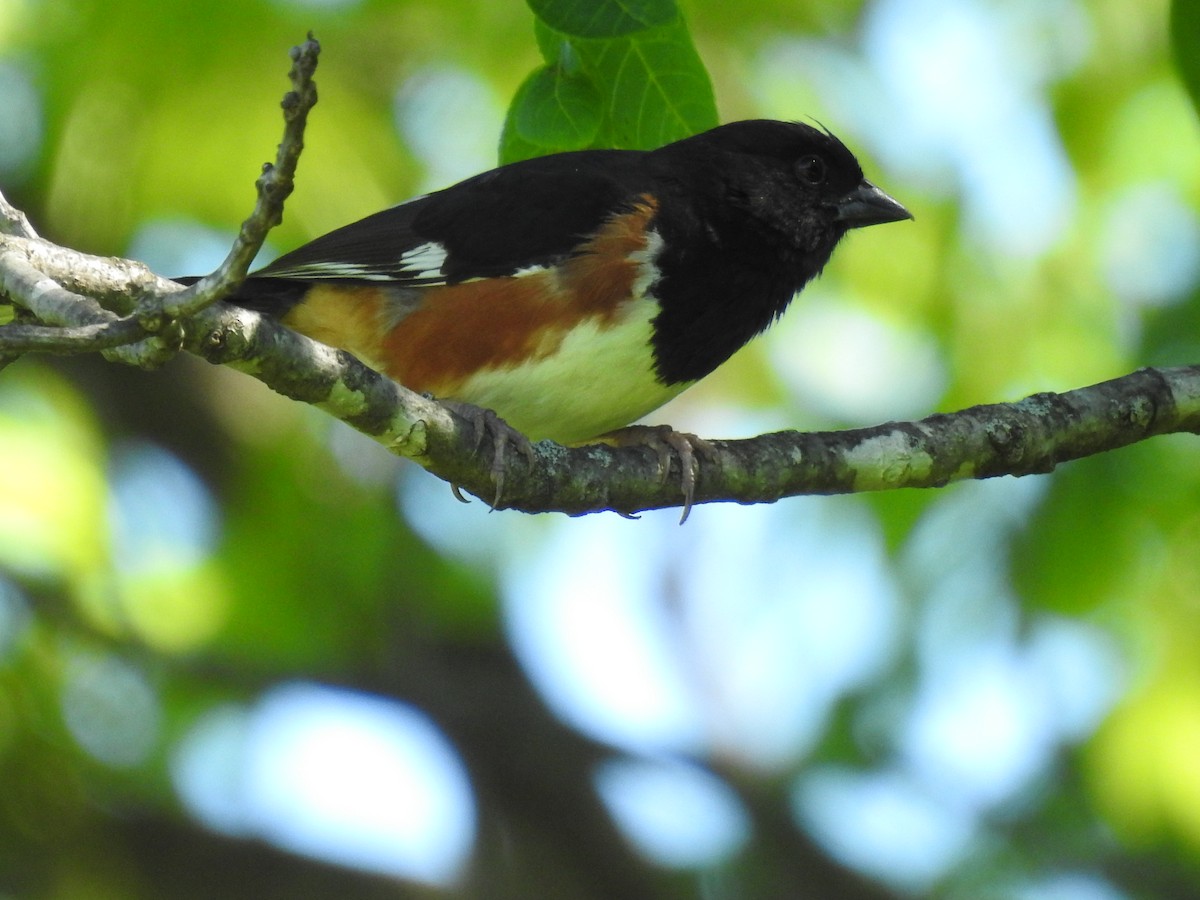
x=274 y=186
x=44 y=278
x=24 y=264
x=13 y=221
x=25 y=281
x=76 y=339
x=103 y=284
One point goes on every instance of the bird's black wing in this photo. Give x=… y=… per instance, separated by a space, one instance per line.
x=524 y=215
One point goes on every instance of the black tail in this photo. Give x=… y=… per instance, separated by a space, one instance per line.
x=269 y=296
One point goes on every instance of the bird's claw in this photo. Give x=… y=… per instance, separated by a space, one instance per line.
x=486 y=423
x=663 y=440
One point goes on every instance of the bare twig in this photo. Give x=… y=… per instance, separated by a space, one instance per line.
x=65 y=340
x=113 y=283
x=24 y=263
x=13 y=221
x=274 y=186
x=45 y=279
x=30 y=286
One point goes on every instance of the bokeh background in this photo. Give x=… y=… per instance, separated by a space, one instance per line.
x=245 y=653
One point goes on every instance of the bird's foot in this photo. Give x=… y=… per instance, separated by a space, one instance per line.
x=489 y=426
x=665 y=440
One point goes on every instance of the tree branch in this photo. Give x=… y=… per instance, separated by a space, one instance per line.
x=274 y=186
x=13 y=221
x=97 y=304
x=63 y=341
x=148 y=335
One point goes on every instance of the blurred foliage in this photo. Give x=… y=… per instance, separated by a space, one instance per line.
x=1185 y=38
x=323 y=559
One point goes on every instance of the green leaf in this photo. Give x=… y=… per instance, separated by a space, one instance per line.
x=604 y=18
x=556 y=48
x=550 y=113
x=513 y=147
x=638 y=91
x=1185 y=39
x=552 y=109
x=655 y=86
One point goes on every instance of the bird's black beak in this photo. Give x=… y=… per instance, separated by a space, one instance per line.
x=868 y=205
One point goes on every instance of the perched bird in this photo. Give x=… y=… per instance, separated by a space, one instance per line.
x=573 y=294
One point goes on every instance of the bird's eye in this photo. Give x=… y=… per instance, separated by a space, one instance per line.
x=811 y=170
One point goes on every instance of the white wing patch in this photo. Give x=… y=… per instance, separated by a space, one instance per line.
x=330 y=269
x=423 y=263
x=528 y=270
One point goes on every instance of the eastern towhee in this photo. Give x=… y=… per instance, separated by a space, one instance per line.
x=575 y=293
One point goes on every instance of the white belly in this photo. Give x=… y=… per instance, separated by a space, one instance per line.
x=600 y=378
